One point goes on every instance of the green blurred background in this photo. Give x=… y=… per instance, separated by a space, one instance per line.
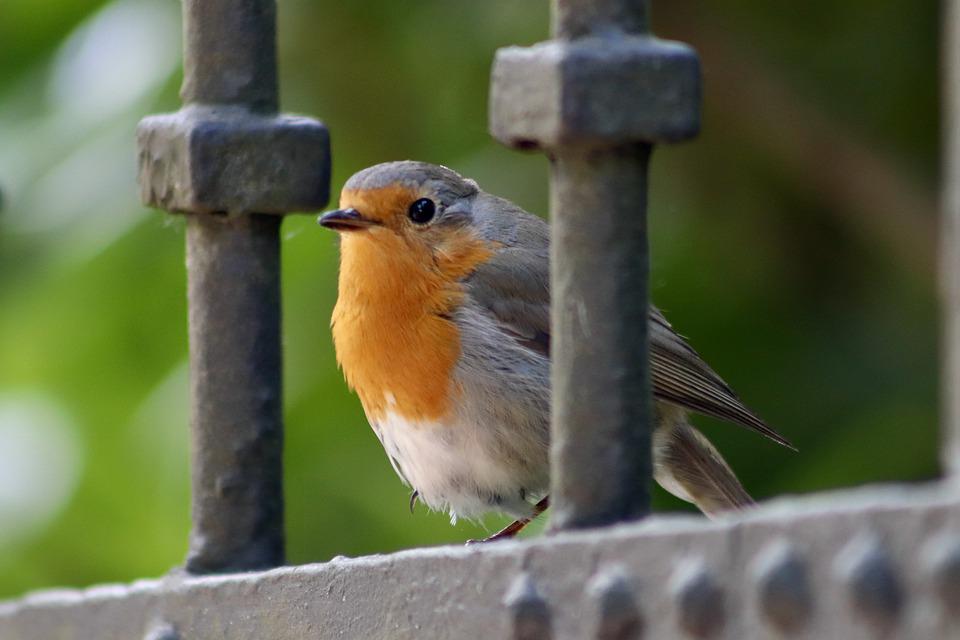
x=793 y=243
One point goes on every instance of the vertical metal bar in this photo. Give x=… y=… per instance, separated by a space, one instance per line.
x=601 y=424
x=596 y=98
x=234 y=297
x=230 y=53
x=601 y=386
x=234 y=166
x=576 y=18
x=950 y=240
x=237 y=406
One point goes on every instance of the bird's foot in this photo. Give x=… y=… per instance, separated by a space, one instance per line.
x=509 y=531
x=413 y=499
x=515 y=527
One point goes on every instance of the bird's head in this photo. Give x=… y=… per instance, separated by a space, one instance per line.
x=426 y=205
x=408 y=240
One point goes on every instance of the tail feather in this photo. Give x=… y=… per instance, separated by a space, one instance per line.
x=687 y=465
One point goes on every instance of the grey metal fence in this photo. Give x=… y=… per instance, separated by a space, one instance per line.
x=235 y=167
x=860 y=564
x=566 y=96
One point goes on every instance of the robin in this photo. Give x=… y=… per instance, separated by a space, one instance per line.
x=442 y=328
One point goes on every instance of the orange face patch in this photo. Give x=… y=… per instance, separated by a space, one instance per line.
x=398 y=287
x=387 y=205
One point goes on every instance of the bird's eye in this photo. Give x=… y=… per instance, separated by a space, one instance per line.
x=422 y=210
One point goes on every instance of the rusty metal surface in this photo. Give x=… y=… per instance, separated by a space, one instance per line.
x=874 y=563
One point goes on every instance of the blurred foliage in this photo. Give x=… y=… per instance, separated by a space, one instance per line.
x=792 y=243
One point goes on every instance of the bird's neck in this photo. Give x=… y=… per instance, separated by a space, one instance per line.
x=392 y=324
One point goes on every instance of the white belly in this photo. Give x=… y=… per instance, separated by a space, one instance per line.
x=463 y=469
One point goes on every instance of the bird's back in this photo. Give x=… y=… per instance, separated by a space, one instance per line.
x=514 y=285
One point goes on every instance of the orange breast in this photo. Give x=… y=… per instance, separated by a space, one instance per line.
x=391 y=325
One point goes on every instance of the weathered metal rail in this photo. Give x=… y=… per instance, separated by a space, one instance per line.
x=950 y=239
x=234 y=166
x=866 y=564
x=567 y=97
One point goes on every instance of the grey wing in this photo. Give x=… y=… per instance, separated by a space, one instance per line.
x=518 y=296
x=519 y=300
x=515 y=286
x=681 y=377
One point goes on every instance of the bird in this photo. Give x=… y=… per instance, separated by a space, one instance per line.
x=442 y=328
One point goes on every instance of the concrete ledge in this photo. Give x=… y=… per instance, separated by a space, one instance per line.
x=880 y=562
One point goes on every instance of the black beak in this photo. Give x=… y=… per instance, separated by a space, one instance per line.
x=344 y=220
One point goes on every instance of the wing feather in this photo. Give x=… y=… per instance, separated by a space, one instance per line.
x=514 y=286
x=680 y=376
